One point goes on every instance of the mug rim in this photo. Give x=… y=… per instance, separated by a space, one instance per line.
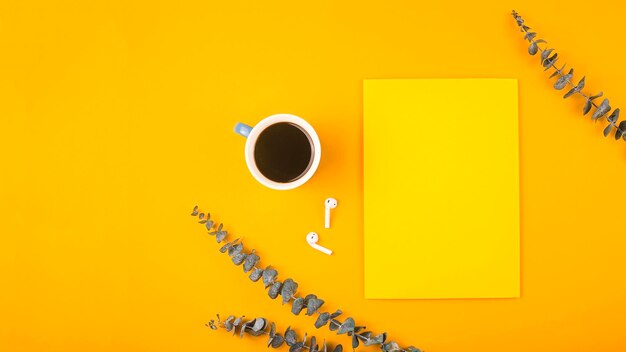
x=256 y=132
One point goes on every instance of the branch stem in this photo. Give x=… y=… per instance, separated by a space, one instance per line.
x=552 y=65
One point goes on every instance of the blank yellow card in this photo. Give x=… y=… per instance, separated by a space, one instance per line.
x=441 y=165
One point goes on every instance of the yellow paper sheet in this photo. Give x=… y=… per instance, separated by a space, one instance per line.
x=441 y=169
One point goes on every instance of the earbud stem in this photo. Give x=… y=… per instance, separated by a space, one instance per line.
x=327 y=218
x=322 y=249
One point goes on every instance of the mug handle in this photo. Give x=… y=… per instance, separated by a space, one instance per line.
x=243 y=129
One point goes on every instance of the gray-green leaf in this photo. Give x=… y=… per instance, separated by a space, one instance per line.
x=309 y=296
x=364 y=336
x=255 y=275
x=288 y=290
x=587 y=107
x=252 y=326
x=274 y=290
x=614 y=116
x=250 y=262
x=272 y=332
x=259 y=324
x=621 y=130
x=337 y=313
x=228 y=245
x=322 y=320
x=530 y=36
x=313 y=344
x=297 y=305
x=545 y=54
x=219 y=228
x=269 y=275
x=296 y=347
x=533 y=48
x=347 y=326
x=596 y=96
x=277 y=341
x=355 y=341
x=312 y=305
x=338 y=348
x=313 y=341
x=239 y=258
x=557 y=72
x=549 y=62
x=376 y=340
x=334 y=324
x=244 y=326
x=391 y=347
x=290 y=336
x=220 y=235
x=195 y=211
x=562 y=81
x=601 y=110
x=228 y=323
x=235 y=249
x=569 y=93
x=237 y=321
x=608 y=129
x=581 y=84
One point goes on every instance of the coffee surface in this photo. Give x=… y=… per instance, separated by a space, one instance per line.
x=283 y=152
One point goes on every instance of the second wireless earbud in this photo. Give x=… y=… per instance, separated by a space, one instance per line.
x=329 y=203
x=312 y=239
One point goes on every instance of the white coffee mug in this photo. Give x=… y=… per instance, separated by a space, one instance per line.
x=253 y=133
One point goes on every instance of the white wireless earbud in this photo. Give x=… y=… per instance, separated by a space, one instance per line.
x=329 y=203
x=312 y=239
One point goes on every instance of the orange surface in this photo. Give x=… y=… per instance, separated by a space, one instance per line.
x=116 y=119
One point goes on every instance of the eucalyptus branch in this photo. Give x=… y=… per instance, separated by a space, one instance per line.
x=548 y=61
x=287 y=290
x=260 y=326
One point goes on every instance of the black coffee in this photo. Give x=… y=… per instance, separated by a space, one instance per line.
x=283 y=152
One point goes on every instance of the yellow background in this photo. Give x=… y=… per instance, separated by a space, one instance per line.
x=116 y=118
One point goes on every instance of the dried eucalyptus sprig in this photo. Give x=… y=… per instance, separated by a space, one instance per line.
x=548 y=61
x=260 y=326
x=287 y=290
